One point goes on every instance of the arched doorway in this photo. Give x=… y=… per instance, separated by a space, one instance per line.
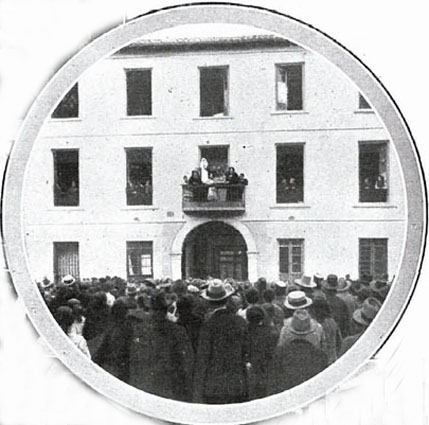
x=214 y=249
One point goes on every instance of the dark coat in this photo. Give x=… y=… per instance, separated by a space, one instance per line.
x=113 y=355
x=161 y=357
x=220 y=368
x=192 y=324
x=262 y=343
x=340 y=313
x=293 y=364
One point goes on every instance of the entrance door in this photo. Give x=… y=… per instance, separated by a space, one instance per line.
x=214 y=249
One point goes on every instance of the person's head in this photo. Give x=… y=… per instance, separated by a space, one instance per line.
x=195 y=175
x=241 y=175
x=217 y=293
x=255 y=315
x=330 y=286
x=204 y=163
x=269 y=295
x=119 y=310
x=65 y=317
x=280 y=288
x=261 y=284
x=185 y=305
x=252 y=296
x=185 y=179
x=320 y=309
x=231 y=170
x=364 y=315
x=159 y=303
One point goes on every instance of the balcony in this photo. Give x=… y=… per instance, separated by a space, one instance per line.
x=217 y=198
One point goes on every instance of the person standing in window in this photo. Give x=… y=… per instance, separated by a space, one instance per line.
x=232 y=179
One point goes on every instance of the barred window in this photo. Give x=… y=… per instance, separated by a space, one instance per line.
x=139 y=259
x=66 y=260
x=213 y=91
x=139 y=91
x=373 y=257
x=66 y=177
x=289 y=87
x=69 y=105
x=291 y=258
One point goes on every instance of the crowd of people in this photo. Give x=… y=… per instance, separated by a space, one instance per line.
x=212 y=341
x=209 y=183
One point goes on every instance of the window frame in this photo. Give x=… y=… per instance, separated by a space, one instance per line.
x=129 y=70
x=150 y=246
x=290 y=243
x=372 y=255
x=227 y=94
x=381 y=143
x=277 y=68
x=294 y=144
x=55 y=167
x=138 y=148
x=55 y=244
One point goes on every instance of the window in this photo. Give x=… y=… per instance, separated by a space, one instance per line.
x=217 y=158
x=66 y=177
x=139 y=176
x=289 y=91
x=290 y=173
x=69 y=105
x=291 y=258
x=213 y=92
x=373 y=184
x=363 y=103
x=139 y=91
x=66 y=260
x=139 y=260
x=373 y=258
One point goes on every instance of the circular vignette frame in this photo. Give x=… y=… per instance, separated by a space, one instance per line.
x=413 y=250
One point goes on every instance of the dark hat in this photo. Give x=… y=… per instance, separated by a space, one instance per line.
x=331 y=283
x=217 y=291
x=296 y=300
x=46 y=283
x=365 y=315
x=131 y=289
x=179 y=287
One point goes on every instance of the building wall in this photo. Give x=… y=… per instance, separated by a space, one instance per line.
x=331 y=219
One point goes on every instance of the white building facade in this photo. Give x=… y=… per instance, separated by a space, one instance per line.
x=104 y=190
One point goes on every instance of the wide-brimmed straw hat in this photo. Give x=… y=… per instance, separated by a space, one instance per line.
x=296 y=300
x=305 y=282
x=365 y=315
x=217 y=291
x=68 y=280
x=280 y=283
x=301 y=323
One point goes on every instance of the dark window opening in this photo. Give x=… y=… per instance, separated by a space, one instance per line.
x=373 y=185
x=290 y=174
x=289 y=87
x=66 y=177
x=373 y=258
x=213 y=92
x=363 y=103
x=139 y=91
x=217 y=158
x=69 y=105
x=139 y=260
x=139 y=176
x=291 y=258
x=66 y=260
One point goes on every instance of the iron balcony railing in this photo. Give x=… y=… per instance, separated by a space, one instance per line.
x=216 y=197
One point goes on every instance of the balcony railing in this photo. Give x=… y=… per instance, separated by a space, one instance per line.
x=216 y=197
